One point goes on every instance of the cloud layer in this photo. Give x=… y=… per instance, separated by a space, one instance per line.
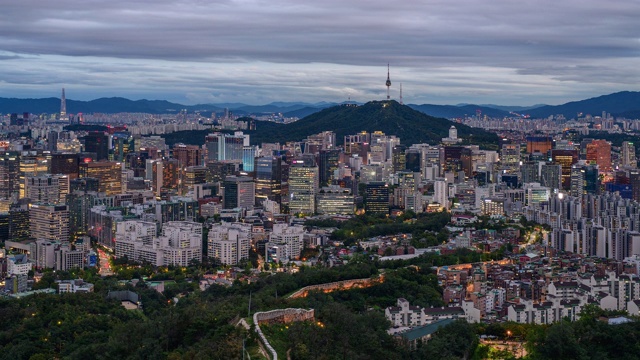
x=502 y=51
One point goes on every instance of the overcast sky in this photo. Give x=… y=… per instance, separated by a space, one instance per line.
x=513 y=52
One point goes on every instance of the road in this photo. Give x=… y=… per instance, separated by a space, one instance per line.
x=105 y=266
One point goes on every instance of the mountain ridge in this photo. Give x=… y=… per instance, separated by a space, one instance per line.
x=623 y=103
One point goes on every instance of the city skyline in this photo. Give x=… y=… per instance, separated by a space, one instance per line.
x=441 y=52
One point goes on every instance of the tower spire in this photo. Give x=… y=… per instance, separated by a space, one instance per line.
x=63 y=106
x=388 y=82
x=401 y=103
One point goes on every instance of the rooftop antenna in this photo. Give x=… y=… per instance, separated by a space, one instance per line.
x=388 y=82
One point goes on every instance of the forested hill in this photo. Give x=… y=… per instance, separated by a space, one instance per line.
x=390 y=117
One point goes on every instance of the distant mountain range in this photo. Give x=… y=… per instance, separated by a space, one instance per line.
x=625 y=103
x=390 y=117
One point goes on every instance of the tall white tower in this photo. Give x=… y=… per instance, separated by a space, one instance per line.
x=388 y=83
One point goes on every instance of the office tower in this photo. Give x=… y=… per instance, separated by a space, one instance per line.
x=628 y=155
x=79 y=203
x=413 y=160
x=123 y=144
x=535 y=194
x=165 y=175
x=194 y=175
x=335 y=200
x=455 y=159
x=52 y=141
x=248 y=158
x=599 y=153
x=541 y=144
x=225 y=146
x=583 y=148
x=47 y=189
x=86 y=184
x=323 y=141
x=376 y=200
x=510 y=155
x=19 y=224
x=268 y=171
x=97 y=142
x=187 y=155
x=239 y=192
x=303 y=185
x=398 y=158
x=49 y=222
x=229 y=243
x=66 y=164
x=530 y=172
x=63 y=106
x=9 y=175
x=31 y=165
x=328 y=161
x=219 y=170
x=584 y=180
x=566 y=159
x=108 y=173
x=551 y=176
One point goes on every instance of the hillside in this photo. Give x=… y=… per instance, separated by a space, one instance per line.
x=616 y=103
x=455 y=111
x=389 y=117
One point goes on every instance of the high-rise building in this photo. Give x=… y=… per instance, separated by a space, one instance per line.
x=584 y=180
x=97 y=142
x=49 y=222
x=248 y=158
x=194 y=175
x=187 y=155
x=599 y=153
x=239 y=192
x=19 y=223
x=225 y=146
x=303 y=185
x=108 y=173
x=551 y=176
x=165 y=175
x=65 y=163
x=229 y=243
x=541 y=144
x=63 y=106
x=328 y=160
x=31 y=164
x=628 y=155
x=52 y=141
x=399 y=158
x=566 y=159
x=510 y=155
x=47 y=189
x=530 y=172
x=376 y=199
x=268 y=171
x=9 y=175
x=335 y=200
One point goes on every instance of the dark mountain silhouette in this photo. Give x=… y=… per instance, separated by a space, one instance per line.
x=616 y=103
x=453 y=111
x=387 y=116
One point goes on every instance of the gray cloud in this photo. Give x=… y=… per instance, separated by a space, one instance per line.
x=447 y=51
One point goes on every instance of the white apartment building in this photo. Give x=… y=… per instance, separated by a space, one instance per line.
x=229 y=242
x=179 y=243
x=285 y=242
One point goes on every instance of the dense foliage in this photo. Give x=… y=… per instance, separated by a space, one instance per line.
x=409 y=125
